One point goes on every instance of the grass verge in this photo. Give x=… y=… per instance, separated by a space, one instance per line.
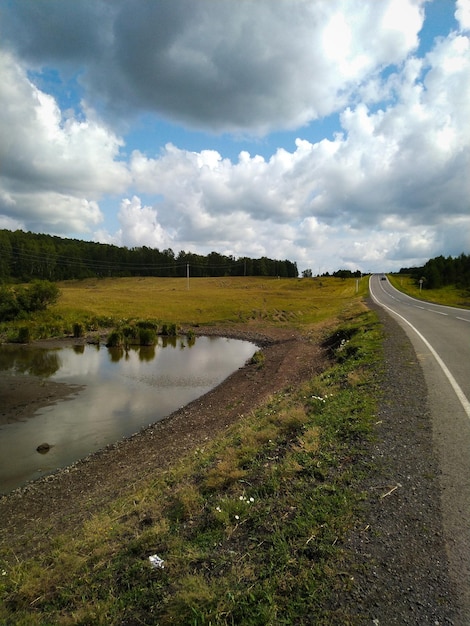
x=449 y=296
x=249 y=527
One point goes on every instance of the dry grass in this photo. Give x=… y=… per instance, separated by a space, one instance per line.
x=209 y=300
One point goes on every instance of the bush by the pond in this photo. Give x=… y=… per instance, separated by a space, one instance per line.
x=78 y=330
x=24 y=335
x=19 y=301
x=131 y=336
x=169 y=330
x=115 y=339
x=147 y=337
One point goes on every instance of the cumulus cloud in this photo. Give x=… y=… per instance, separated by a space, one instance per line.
x=140 y=226
x=54 y=168
x=391 y=185
x=251 y=66
x=462 y=14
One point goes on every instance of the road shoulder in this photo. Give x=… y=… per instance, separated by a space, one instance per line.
x=397 y=553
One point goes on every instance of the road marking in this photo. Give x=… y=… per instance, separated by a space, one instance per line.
x=438 y=312
x=454 y=384
x=462 y=318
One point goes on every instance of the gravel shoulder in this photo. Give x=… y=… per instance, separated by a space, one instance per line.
x=396 y=555
x=398 y=552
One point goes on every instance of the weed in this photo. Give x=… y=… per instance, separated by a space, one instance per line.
x=115 y=339
x=78 y=330
x=24 y=334
x=258 y=359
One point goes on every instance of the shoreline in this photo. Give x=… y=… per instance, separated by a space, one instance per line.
x=72 y=494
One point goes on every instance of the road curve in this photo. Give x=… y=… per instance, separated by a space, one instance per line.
x=441 y=338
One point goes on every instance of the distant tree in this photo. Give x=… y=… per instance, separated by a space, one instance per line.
x=29 y=256
x=307 y=273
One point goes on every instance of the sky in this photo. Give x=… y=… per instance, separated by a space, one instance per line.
x=333 y=133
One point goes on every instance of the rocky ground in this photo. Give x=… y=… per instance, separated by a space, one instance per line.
x=396 y=555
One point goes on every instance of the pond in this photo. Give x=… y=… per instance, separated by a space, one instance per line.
x=118 y=393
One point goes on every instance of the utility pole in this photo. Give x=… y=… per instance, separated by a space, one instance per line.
x=187 y=274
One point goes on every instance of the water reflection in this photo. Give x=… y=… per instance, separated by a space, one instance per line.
x=124 y=390
x=24 y=360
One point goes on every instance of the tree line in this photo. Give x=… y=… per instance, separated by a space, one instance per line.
x=31 y=256
x=442 y=271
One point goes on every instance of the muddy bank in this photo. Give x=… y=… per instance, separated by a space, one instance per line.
x=21 y=396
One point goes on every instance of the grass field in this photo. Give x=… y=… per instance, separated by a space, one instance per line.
x=108 y=302
x=209 y=300
x=249 y=527
x=450 y=296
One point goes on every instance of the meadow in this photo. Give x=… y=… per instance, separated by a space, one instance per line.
x=249 y=528
x=449 y=295
x=207 y=300
x=104 y=303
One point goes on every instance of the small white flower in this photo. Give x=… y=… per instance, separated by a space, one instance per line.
x=237 y=517
x=252 y=499
x=156 y=562
x=218 y=509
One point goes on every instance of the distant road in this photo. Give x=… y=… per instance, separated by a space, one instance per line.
x=441 y=338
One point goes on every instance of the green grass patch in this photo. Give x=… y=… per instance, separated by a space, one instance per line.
x=250 y=527
x=449 y=295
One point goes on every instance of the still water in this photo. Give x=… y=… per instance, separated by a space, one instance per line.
x=121 y=392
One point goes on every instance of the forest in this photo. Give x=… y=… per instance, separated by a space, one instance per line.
x=30 y=256
x=442 y=271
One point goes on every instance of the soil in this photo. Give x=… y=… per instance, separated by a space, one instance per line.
x=395 y=558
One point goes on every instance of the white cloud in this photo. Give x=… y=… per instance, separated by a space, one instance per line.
x=54 y=169
x=140 y=226
x=401 y=170
x=255 y=65
x=391 y=186
x=462 y=14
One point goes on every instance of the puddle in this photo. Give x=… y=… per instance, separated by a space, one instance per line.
x=120 y=392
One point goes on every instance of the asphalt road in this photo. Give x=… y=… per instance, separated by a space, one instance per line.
x=441 y=338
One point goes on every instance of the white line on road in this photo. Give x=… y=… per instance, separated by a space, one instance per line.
x=454 y=384
x=462 y=318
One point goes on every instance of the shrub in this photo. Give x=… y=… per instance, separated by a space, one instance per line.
x=9 y=307
x=115 y=339
x=78 y=330
x=169 y=330
x=38 y=296
x=147 y=337
x=24 y=335
x=22 y=300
